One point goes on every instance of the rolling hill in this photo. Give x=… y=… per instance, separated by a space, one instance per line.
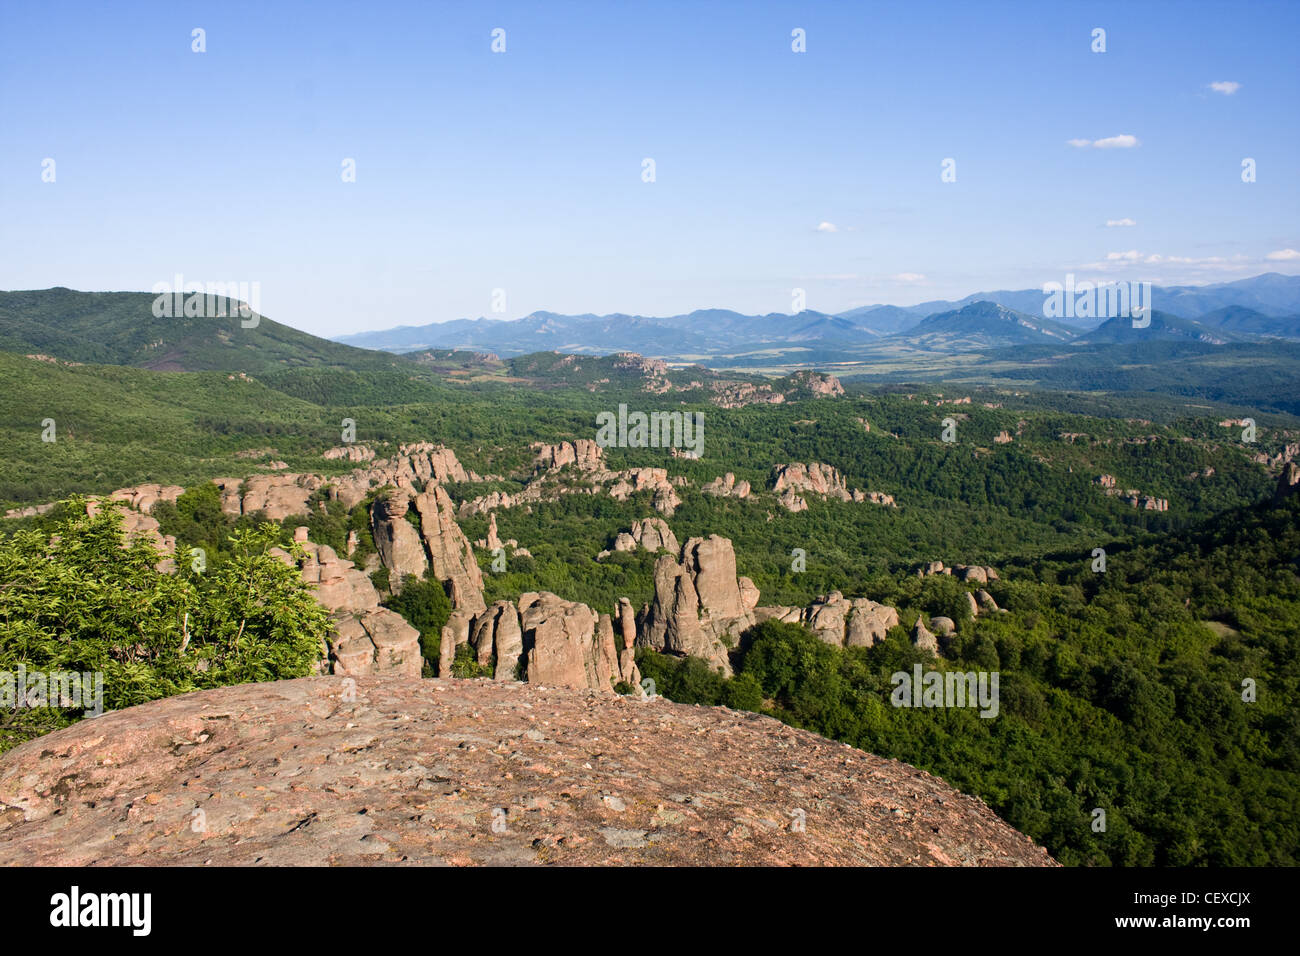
x=119 y=328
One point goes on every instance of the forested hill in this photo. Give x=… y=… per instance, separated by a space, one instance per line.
x=1163 y=692
x=120 y=328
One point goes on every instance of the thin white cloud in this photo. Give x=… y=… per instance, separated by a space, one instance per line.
x=827 y=227
x=1283 y=255
x=1111 y=223
x=1184 y=266
x=1226 y=87
x=908 y=277
x=1122 y=141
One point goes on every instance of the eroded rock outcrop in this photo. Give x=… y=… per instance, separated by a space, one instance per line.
x=793 y=481
x=143 y=497
x=924 y=639
x=583 y=453
x=1288 y=482
x=283 y=495
x=820 y=384
x=652 y=534
x=293 y=775
x=837 y=620
x=560 y=641
x=980 y=574
x=397 y=540
x=546 y=639
x=727 y=487
x=451 y=557
x=860 y=622
x=699 y=601
x=365 y=638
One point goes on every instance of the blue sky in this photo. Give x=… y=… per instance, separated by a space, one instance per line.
x=522 y=170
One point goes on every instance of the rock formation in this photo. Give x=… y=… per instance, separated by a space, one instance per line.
x=819 y=479
x=727 y=487
x=815 y=477
x=792 y=502
x=366 y=638
x=652 y=534
x=698 y=601
x=451 y=557
x=857 y=623
x=559 y=641
x=584 y=453
x=143 y=497
x=837 y=620
x=396 y=539
x=283 y=495
x=545 y=639
x=923 y=639
x=324 y=771
x=981 y=574
x=819 y=383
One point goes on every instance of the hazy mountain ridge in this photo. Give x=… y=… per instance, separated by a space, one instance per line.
x=984 y=325
x=718 y=333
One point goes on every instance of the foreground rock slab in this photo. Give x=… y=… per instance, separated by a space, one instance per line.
x=371 y=770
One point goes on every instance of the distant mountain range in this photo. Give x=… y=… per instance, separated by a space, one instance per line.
x=1235 y=354
x=1265 y=305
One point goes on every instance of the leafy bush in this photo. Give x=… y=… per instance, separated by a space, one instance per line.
x=73 y=598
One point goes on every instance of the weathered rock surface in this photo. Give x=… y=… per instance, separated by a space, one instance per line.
x=727 y=487
x=792 y=502
x=560 y=642
x=652 y=534
x=819 y=383
x=280 y=496
x=966 y=572
x=327 y=771
x=837 y=620
x=814 y=477
x=366 y=638
x=451 y=557
x=352 y=452
x=924 y=639
x=143 y=497
x=396 y=539
x=584 y=453
x=699 y=599
x=817 y=478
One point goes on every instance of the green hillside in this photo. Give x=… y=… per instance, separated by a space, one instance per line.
x=119 y=328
